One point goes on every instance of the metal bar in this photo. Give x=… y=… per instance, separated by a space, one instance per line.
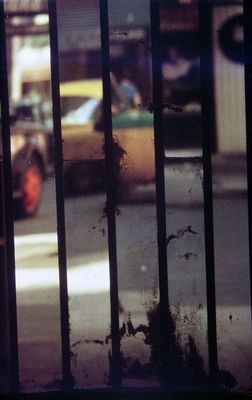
x=181 y=160
x=160 y=180
x=247 y=9
x=206 y=115
x=62 y=257
x=159 y=152
x=8 y=210
x=115 y=373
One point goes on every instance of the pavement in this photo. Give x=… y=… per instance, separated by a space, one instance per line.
x=230 y=174
x=37 y=290
x=184 y=179
x=229 y=171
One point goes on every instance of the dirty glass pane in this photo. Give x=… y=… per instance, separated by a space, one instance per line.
x=133 y=136
x=136 y=224
x=39 y=337
x=84 y=186
x=230 y=198
x=183 y=172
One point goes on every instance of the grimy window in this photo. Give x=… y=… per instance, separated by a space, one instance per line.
x=125 y=183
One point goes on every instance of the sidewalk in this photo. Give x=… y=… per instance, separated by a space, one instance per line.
x=229 y=176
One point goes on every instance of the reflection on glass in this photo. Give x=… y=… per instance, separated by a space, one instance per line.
x=184 y=186
x=136 y=210
x=85 y=197
x=230 y=202
x=39 y=337
x=181 y=78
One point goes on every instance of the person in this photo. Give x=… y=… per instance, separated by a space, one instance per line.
x=181 y=77
x=129 y=90
x=176 y=67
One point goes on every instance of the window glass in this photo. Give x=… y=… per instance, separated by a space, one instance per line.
x=230 y=195
x=32 y=154
x=85 y=191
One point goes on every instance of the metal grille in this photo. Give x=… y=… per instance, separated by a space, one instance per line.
x=9 y=336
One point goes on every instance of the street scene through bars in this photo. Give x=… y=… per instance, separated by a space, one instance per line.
x=125 y=186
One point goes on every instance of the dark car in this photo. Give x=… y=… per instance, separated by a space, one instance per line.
x=31 y=143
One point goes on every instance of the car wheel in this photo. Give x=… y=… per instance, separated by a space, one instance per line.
x=31 y=190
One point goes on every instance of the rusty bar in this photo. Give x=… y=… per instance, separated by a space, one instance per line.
x=207 y=140
x=62 y=258
x=159 y=152
x=115 y=372
x=247 y=10
x=8 y=211
x=160 y=180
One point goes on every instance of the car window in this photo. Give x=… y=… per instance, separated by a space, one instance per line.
x=81 y=114
x=71 y=103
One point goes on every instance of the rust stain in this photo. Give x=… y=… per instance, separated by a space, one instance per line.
x=187 y=256
x=180 y=233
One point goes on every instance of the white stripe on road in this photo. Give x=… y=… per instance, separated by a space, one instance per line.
x=92 y=277
x=38 y=238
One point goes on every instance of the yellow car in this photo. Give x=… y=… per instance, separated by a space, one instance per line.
x=83 y=138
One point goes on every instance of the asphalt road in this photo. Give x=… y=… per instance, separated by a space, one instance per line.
x=88 y=280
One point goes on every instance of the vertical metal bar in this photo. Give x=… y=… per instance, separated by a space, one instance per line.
x=247 y=10
x=206 y=61
x=159 y=151
x=160 y=180
x=65 y=327
x=115 y=375
x=8 y=211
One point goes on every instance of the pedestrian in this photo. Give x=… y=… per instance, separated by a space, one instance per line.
x=129 y=90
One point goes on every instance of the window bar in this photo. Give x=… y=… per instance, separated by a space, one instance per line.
x=115 y=371
x=65 y=327
x=160 y=180
x=8 y=209
x=247 y=9
x=205 y=30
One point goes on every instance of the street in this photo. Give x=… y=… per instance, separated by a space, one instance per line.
x=101 y=89
x=88 y=282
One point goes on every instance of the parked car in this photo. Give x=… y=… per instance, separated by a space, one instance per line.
x=83 y=138
x=31 y=142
